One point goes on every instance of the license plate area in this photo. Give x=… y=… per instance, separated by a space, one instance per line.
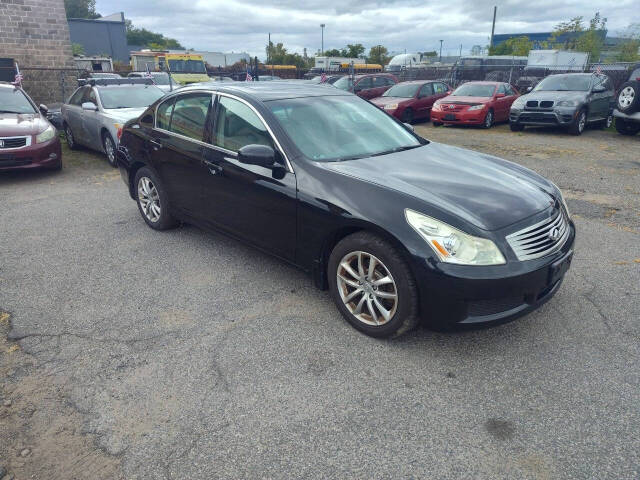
x=559 y=268
x=449 y=116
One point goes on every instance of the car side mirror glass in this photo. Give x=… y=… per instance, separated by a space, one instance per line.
x=43 y=109
x=261 y=155
x=89 y=106
x=529 y=89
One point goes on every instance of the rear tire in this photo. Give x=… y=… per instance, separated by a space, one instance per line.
x=152 y=200
x=388 y=288
x=626 y=128
x=436 y=124
x=516 y=127
x=579 y=124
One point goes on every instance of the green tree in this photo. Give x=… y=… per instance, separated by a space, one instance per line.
x=354 y=51
x=333 y=53
x=77 y=49
x=432 y=53
x=569 y=41
x=277 y=55
x=81 y=9
x=592 y=40
x=147 y=38
x=378 y=54
x=518 y=46
x=630 y=46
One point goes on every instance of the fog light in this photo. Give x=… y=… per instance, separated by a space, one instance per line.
x=53 y=156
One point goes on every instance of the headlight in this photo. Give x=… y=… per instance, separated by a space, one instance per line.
x=564 y=202
x=477 y=107
x=566 y=103
x=452 y=245
x=518 y=104
x=46 y=135
x=391 y=106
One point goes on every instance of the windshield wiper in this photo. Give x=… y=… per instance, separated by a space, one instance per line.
x=395 y=150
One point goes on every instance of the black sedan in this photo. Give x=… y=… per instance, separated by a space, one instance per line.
x=570 y=100
x=397 y=227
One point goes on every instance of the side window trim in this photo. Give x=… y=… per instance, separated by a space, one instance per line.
x=215 y=97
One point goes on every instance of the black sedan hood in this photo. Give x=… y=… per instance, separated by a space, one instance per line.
x=486 y=191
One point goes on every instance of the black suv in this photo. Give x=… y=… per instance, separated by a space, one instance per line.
x=627 y=110
x=570 y=100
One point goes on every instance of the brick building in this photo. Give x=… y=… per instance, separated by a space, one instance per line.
x=36 y=35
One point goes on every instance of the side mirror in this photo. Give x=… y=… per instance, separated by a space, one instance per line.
x=500 y=95
x=409 y=126
x=257 y=155
x=43 y=109
x=89 y=106
x=529 y=89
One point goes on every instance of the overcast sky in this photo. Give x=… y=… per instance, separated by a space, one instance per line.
x=414 y=25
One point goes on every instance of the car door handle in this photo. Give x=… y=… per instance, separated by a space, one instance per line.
x=213 y=167
x=156 y=145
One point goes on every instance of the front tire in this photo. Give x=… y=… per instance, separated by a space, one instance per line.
x=627 y=128
x=436 y=124
x=109 y=147
x=579 y=124
x=152 y=200
x=407 y=116
x=488 y=120
x=71 y=140
x=372 y=286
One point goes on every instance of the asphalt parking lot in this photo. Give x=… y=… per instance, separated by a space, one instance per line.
x=143 y=355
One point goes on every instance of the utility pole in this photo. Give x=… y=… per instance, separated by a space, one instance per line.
x=460 y=50
x=322 y=25
x=269 y=50
x=441 y=50
x=493 y=26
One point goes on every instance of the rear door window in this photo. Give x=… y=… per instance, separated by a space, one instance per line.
x=189 y=115
x=440 y=88
x=364 y=84
x=426 y=90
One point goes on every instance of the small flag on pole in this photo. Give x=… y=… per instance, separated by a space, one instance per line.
x=599 y=69
x=18 y=78
x=323 y=78
x=153 y=82
x=249 y=77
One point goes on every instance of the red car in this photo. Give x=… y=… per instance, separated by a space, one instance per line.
x=475 y=103
x=371 y=85
x=408 y=101
x=27 y=139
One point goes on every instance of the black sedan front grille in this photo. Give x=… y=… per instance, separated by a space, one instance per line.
x=483 y=308
x=543 y=238
x=13 y=142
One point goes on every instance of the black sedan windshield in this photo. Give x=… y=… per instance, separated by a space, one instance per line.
x=402 y=90
x=565 y=83
x=474 y=90
x=337 y=128
x=12 y=100
x=129 y=97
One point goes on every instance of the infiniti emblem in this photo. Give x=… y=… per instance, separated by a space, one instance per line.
x=554 y=234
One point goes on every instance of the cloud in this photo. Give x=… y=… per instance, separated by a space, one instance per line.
x=243 y=25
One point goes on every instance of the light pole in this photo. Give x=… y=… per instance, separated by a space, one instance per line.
x=441 y=50
x=322 y=25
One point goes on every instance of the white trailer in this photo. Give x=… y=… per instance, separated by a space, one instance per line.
x=558 y=60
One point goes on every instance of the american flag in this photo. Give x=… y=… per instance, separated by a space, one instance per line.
x=249 y=77
x=18 y=78
x=323 y=78
x=153 y=82
x=599 y=69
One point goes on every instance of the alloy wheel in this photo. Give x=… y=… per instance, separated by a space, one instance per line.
x=488 y=120
x=149 y=199
x=110 y=150
x=367 y=288
x=626 y=97
x=582 y=121
x=69 y=136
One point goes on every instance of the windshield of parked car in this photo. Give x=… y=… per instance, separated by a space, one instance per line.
x=402 y=90
x=344 y=83
x=187 y=66
x=161 y=78
x=336 y=128
x=12 y=100
x=565 y=83
x=474 y=90
x=129 y=97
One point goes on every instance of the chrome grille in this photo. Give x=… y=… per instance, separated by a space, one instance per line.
x=537 y=240
x=13 y=142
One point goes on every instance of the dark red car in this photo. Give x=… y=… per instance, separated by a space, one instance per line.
x=27 y=139
x=475 y=103
x=408 y=101
x=371 y=85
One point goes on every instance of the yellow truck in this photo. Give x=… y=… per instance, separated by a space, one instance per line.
x=185 y=68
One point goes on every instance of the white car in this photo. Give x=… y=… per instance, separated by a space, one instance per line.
x=160 y=80
x=96 y=112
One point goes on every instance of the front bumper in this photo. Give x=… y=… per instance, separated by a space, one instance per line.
x=557 y=117
x=464 y=295
x=40 y=155
x=634 y=117
x=124 y=162
x=462 y=117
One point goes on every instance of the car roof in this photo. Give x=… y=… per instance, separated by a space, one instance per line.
x=383 y=74
x=482 y=82
x=270 y=90
x=419 y=82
